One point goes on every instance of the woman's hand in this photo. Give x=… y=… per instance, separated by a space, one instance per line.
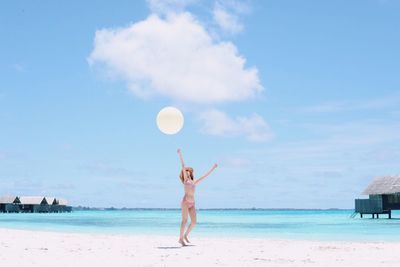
x=215 y=166
x=179 y=150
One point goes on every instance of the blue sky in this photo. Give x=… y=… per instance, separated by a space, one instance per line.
x=298 y=101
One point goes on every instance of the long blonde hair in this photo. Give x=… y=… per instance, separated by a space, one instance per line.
x=190 y=170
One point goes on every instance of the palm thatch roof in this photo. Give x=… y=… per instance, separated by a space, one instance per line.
x=9 y=200
x=383 y=185
x=33 y=200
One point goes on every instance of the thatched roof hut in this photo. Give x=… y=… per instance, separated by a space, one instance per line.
x=33 y=204
x=383 y=185
x=9 y=204
x=384 y=196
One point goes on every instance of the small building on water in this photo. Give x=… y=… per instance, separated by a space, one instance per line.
x=33 y=204
x=384 y=196
x=9 y=204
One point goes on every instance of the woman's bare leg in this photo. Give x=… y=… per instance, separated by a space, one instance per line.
x=193 y=221
x=183 y=224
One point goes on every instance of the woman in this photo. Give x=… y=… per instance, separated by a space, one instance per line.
x=187 y=204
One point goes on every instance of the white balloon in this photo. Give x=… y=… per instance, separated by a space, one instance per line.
x=170 y=120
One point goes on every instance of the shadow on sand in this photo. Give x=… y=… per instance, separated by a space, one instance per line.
x=176 y=247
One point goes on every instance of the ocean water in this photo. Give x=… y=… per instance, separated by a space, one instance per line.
x=276 y=224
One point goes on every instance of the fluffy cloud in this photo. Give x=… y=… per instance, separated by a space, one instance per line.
x=171 y=54
x=226 y=20
x=175 y=57
x=226 y=15
x=253 y=128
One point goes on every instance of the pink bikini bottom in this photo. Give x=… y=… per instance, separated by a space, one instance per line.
x=188 y=203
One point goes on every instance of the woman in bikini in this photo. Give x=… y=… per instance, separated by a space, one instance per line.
x=187 y=204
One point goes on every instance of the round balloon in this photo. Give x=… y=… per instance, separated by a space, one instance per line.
x=170 y=120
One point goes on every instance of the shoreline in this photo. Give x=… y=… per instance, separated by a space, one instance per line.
x=206 y=235
x=43 y=248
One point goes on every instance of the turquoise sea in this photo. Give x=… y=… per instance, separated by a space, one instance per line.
x=287 y=224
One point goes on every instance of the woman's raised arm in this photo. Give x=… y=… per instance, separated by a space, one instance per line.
x=181 y=158
x=207 y=174
x=183 y=165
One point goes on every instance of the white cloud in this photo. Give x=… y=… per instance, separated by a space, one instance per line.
x=171 y=54
x=177 y=58
x=226 y=15
x=253 y=128
x=227 y=21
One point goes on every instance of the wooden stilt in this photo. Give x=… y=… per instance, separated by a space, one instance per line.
x=390 y=214
x=361 y=215
x=377 y=215
x=373 y=215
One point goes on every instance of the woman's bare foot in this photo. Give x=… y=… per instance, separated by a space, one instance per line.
x=182 y=242
x=186 y=239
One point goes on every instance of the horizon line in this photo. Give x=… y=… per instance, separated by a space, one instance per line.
x=253 y=208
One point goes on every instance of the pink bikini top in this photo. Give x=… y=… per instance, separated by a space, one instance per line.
x=190 y=183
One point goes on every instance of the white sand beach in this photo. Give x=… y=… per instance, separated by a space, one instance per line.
x=31 y=248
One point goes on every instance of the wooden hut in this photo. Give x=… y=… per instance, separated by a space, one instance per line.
x=58 y=205
x=384 y=196
x=34 y=204
x=9 y=204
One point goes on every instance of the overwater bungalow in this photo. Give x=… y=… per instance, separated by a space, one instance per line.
x=9 y=204
x=58 y=205
x=384 y=196
x=33 y=204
